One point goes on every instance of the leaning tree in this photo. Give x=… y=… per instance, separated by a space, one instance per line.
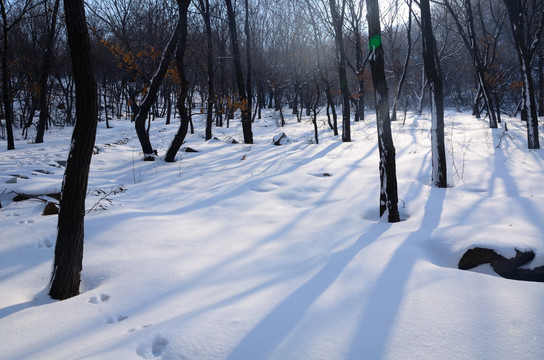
x=67 y=266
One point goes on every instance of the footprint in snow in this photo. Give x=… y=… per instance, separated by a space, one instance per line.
x=131 y=330
x=158 y=346
x=45 y=243
x=119 y=318
x=99 y=299
x=25 y=221
x=10 y=215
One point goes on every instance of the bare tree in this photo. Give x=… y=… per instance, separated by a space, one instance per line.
x=337 y=16
x=67 y=266
x=406 y=62
x=47 y=56
x=151 y=95
x=467 y=32
x=204 y=8
x=183 y=6
x=526 y=22
x=355 y=20
x=388 y=172
x=434 y=74
x=20 y=7
x=243 y=103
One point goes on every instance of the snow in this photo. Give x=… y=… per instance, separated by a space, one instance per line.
x=276 y=252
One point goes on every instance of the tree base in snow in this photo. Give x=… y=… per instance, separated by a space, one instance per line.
x=507 y=268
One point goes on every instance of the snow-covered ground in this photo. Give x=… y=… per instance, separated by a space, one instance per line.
x=276 y=252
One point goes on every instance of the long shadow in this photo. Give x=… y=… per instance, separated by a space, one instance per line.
x=41 y=298
x=277 y=325
x=532 y=213
x=385 y=298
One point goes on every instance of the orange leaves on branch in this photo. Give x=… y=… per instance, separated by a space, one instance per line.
x=173 y=75
x=516 y=85
x=127 y=58
x=151 y=53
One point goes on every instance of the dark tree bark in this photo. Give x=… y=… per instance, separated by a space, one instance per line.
x=151 y=95
x=470 y=41
x=434 y=75
x=406 y=62
x=388 y=172
x=248 y=59
x=183 y=6
x=541 y=82
x=6 y=78
x=360 y=61
x=526 y=42
x=205 y=11
x=328 y=95
x=337 y=22
x=67 y=266
x=314 y=110
x=47 y=55
x=246 y=111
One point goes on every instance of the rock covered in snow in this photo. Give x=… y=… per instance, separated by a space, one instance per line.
x=281 y=139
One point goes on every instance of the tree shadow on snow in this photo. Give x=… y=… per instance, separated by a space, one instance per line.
x=276 y=326
x=384 y=301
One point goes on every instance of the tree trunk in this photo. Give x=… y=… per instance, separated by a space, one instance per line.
x=48 y=53
x=388 y=175
x=342 y=76
x=205 y=11
x=434 y=75
x=246 y=111
x=248 y=61
x=66 y=274
x=541 y=82
x=314 y=109
x=406 y=62
x=151 y=95
x=183 y=6
x=525 y=45
x=6 y=80
x=470 y=41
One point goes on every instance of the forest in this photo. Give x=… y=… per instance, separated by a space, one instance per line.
x=290 y=54
x=259 y=179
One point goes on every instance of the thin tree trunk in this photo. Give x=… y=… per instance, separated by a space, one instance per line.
x=388 y=172
x=470 y=41
x=524 y=49
x=47 y=55
x=434 y=74
x=6 y=80
x=248 y=60
x=342 y=76
x=246 y=111
x=330 y=102
x=541 y=83
x=205 y=10
x=151 y=95
x=66 y=274
x=183 y=6
x=314 y=109
x=406 y=62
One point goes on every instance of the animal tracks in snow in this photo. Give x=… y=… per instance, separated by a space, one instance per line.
x=9 y=215
x=104 y=298
x=158 y=346
x=45 y=243
x=99 y=299
x=114 y=319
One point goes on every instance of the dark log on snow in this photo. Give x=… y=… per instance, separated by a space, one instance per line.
x=507 y=268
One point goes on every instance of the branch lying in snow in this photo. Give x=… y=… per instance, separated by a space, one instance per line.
x=105 y=196
x=507 y=268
